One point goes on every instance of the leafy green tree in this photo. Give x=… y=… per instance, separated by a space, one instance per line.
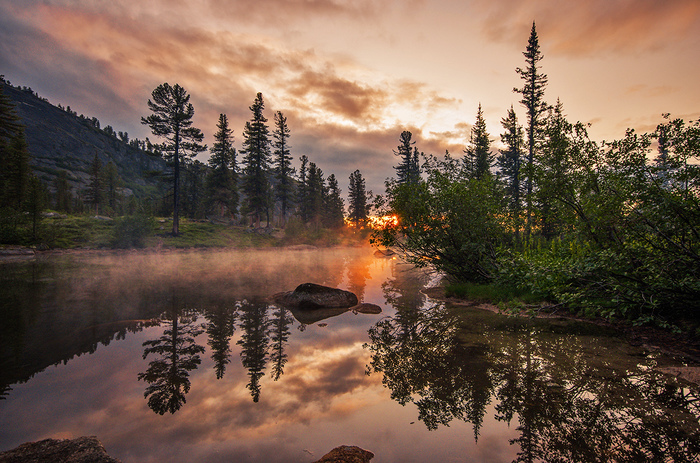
x=509 y=163
x=478 y=157
x=447 y=222
x=256 y=159
x=333 y=205
x=357 y=199
x=284 y=189
x=172 y=120
x=532 y=91
x=221 y=181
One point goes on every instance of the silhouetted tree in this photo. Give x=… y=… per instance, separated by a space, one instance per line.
x=357 y=202
x=509 y=163
x=532 y=91
x=314 y=194
x=113 y=184
x=172 y=119
x=256 y=159
x=333 y=205
x=284 y=189
x=302 y=192
x=64 y=197
x=478 y=157
x=221 y=180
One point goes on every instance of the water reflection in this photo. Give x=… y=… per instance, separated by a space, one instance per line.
x=168 y=375
x=571 y=400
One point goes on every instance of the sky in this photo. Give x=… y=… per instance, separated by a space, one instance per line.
x=351 y=75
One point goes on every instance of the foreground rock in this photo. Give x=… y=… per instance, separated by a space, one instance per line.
x=346 y=454
x=313 y=296
x=80 y=450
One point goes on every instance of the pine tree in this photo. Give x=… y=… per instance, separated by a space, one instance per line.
x=172 y=119
x=302 y=188
x=405 y=153
x=64 y=197
x=221 y=182
x=113 y=185
x=533 y=101
x=96 y=188
x=478 y=159
x=509 y=163
x=357 y=199
x=284 y=190
x=334 y=207
x=315 y=194
x=256 y=159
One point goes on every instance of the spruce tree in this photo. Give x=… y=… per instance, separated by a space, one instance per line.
x=172 y=120
x=478 y=159
x=532 y=91
x=256 y=161
x=96 y=188
x=221 y=182
x=113 y=185
x=509 y=163
x=405 y=153
x=334 y=207
x=284 y=189
x=315 y=194
x=357 y=199
x=302 y=189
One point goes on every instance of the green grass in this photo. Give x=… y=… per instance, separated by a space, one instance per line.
x=489 y=293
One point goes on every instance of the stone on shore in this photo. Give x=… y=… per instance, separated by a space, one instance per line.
x=87 y=449
x=346 y=454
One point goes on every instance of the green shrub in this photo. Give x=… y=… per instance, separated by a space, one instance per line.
x=131 y=231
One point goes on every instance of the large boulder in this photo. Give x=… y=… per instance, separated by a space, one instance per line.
x=346 y=454
x=80 y=450
x=313 y=296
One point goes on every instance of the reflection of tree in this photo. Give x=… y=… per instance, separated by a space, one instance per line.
x=168 y=376
x=254 y=343
x=422 y=356
x=220 y=327
x=279 y=333
x=358 y=274
x=571 y=402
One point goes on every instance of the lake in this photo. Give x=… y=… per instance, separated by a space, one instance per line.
x=182 y=357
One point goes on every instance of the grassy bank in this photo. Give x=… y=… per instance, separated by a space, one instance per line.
x=60 y=231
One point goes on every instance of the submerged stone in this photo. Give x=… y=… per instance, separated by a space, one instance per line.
x=313 y=296
x=346 y=454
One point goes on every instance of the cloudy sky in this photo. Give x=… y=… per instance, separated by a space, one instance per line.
x=350 y=75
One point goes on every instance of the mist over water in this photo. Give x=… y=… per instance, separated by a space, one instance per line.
x=183 y=356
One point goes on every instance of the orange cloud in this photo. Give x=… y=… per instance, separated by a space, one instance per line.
x=584 y=28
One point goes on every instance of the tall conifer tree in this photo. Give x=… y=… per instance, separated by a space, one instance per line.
x=256 y=161
x=172 y=119
x=478 y=157
x=221 y=181
x=357 y=204
x=532 y=91
x=284 y=190
x=509 y=163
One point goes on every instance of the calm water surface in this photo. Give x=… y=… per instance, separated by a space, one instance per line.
x=182 y=357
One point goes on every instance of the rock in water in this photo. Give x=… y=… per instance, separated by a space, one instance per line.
x=346 y=454
x=80 y=450
x=313 y=296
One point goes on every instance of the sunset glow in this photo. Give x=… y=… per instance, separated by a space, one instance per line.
x=350 y=76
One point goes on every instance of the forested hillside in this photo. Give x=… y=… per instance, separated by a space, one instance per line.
x=60 y=140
